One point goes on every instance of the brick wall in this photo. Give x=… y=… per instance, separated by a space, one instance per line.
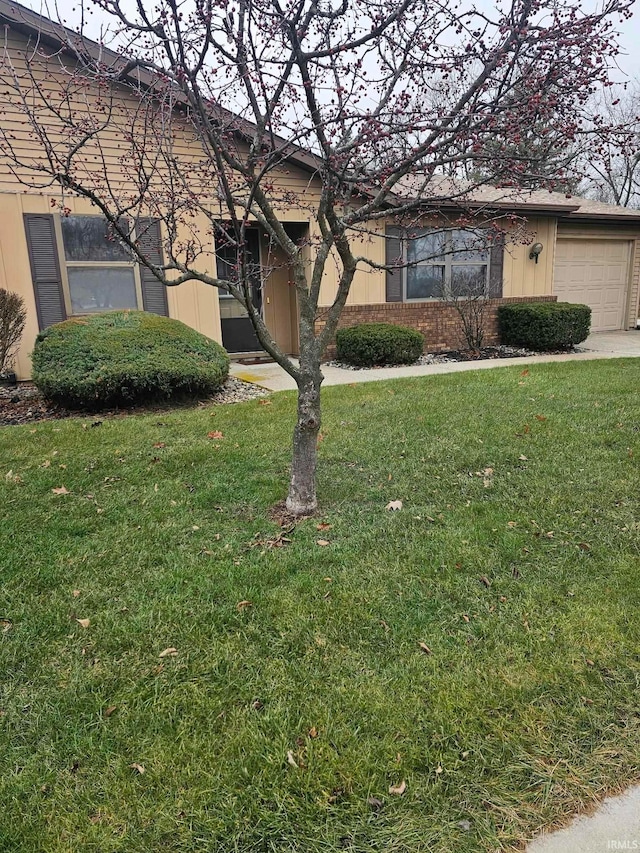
x=438 y=322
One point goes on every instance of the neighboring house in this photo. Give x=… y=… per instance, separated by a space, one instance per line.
x=64 y=265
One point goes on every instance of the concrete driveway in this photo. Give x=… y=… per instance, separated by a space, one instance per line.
x=599 y=345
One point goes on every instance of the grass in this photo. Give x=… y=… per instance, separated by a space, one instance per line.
x=515 y=559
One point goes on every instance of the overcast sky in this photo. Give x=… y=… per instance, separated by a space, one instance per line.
x=629 y=33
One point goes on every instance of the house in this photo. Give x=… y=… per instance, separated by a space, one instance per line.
x=63 y=263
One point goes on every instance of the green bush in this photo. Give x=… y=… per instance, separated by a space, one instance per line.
x=125 y=357
x=543 y=325
x=378 y=343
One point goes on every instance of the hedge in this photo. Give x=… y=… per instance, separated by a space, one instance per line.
x=125 y=357
x=543 y=325
x=378 y=343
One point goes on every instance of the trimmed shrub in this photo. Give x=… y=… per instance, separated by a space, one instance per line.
x=378 y=343
x=125 y=357
x=543 y=325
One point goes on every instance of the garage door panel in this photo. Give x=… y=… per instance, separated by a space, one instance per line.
x=594 y=272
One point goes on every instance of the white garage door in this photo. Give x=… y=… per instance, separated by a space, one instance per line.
x=594 y=273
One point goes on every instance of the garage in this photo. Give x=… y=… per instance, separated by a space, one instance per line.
x=595 y=273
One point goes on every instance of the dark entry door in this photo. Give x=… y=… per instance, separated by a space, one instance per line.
x=238 y=334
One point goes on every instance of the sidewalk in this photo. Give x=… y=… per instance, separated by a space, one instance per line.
x=599 y=345
x=615 y=825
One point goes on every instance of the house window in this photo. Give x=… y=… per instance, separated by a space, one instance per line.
x=442 y=264
x=99 y=273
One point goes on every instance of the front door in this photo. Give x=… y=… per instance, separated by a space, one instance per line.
x=238 y=334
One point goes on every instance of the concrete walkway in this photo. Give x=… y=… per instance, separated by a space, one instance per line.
x=615 y=825
x=599 y=345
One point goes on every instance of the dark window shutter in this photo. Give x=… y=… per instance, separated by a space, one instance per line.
x=45 y=268
x=393 y=255
x=154 y=292
x=496 y=264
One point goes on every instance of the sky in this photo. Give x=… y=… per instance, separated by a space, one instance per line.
x=629 y=31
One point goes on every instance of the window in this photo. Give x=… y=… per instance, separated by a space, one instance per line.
x=98 y=272
x=446 y=263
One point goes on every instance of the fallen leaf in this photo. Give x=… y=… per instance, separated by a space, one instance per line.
x=215 y=434
x=524 y=373
x=512 y=523
x=313 y=732
x=243 y=605
x=75 y=593
x=323 y=542
x=541 y=417
x=375 y=803
x=425 y=648
x=110 y=710
x=439 y=770
x=485 y=580
x=84 y=623
x=465 y=617
x=139 y=768
x=523 y=458
x=323 y=526
x=60 y=491
x=398 y=790
x=6 y=625
x=46 y=463
x=168 y=653
x=159 y=444
x=584 y=546
x=394 y=505
x=291 y=760
x=264 y=403
x=589 y=662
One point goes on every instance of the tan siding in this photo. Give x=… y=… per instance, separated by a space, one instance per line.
x=17 y=273
x=522 y=276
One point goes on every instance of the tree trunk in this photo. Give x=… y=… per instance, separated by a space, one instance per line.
x=302 y=498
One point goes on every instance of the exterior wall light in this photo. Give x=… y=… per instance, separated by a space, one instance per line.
x=536 y=251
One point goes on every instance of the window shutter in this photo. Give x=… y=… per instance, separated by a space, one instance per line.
x=154 y=292
x=496 y=264
x=45 y=268
x=393 y=254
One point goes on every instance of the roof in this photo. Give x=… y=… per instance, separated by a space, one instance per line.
x=440 y=189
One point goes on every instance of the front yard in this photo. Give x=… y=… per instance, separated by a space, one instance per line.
x=181 y=674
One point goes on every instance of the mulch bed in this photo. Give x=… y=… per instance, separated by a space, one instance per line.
x=24 y=404
x=462 y=355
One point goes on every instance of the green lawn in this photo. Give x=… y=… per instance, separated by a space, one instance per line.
x=281 y=725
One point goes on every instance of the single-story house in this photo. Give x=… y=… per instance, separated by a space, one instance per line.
x=63 y=264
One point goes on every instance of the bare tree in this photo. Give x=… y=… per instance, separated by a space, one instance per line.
x=256 y=84
x=612 y=164
x=13 y=317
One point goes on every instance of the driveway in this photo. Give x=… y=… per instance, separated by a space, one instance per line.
x=599 y=345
